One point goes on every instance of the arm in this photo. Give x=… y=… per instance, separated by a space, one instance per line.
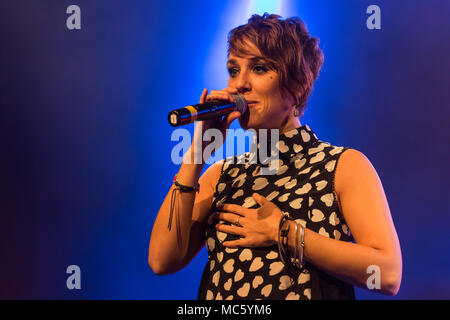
x=170 y=251
x=366 y=211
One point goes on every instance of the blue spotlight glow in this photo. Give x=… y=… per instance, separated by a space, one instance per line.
x=261 y=6
x=236 y=13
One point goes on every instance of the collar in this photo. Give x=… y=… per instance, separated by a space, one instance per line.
x=289 y=145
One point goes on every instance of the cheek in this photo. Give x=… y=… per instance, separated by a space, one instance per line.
x=267 y=90
x=272 y=88
x=271 y=85
x=275 y=99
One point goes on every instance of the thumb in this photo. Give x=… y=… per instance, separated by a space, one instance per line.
x=261 y=200
x=231 y=117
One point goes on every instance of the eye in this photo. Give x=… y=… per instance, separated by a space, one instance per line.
x=232 y=72
x=260 y=69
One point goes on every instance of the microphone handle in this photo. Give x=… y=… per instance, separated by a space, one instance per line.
x=198 y=112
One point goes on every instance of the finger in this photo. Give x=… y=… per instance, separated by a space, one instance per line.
x=236 y=243
x=203 y=96
x=234 y=208
x=228 y=120
x=261 y=200
x=231 y=90
x=219 y=95
x=228 y=217
x=237 y=231
x=231 y=117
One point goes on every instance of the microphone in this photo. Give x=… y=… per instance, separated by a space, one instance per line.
x=205 y=111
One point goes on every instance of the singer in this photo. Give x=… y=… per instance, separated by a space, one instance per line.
x=313 y=230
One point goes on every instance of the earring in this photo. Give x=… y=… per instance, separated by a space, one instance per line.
x=296 y=113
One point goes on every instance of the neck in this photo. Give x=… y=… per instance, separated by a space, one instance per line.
x=294 y=123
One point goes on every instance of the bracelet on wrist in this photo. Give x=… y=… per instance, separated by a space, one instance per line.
x=182 y=188
x=283 y=238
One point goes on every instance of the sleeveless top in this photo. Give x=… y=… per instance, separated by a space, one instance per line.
x=303 y=188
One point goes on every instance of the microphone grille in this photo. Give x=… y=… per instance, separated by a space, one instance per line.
x=241 y=104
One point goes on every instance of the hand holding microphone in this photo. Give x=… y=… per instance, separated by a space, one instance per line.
x=225 y=102
x=217 y=110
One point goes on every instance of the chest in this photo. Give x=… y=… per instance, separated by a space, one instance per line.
x=302 y=188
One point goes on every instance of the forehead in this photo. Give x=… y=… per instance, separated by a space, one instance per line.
x=246 y=50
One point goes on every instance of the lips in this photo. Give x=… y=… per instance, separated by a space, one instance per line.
x=251 y=102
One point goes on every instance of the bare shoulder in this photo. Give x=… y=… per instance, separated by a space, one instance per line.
x=353 y=156
x=353 y=169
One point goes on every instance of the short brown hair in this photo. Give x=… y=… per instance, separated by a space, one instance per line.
x=288 y=45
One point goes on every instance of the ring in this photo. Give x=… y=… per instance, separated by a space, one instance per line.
x=237 y=222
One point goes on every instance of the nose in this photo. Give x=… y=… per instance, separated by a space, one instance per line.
x=242 y=83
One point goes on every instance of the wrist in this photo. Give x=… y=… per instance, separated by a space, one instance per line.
x=189 y=173
x=276 y=233
x=193 y=157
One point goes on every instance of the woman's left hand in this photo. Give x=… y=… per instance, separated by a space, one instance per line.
x=256 y=227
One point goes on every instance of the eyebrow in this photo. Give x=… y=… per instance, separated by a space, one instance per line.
x=252 y=60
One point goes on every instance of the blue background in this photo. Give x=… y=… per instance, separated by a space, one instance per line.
x=85 y=144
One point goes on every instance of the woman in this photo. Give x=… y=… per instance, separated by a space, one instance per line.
x=313 y=230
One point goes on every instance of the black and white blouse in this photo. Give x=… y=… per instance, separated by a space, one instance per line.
x=303 y=188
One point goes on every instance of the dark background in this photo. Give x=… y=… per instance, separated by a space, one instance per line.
x=85 y=144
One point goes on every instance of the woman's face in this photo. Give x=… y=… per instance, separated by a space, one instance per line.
x=255 y=79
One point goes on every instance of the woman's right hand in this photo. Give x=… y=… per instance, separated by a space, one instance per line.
x=220 y=124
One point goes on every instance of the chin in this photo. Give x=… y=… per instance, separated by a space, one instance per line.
x=250 y=121
x=256 y=125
